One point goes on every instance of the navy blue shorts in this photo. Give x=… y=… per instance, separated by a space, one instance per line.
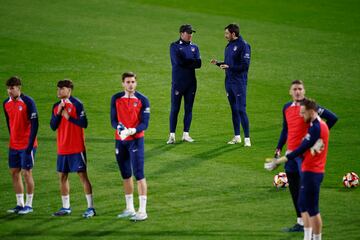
x=19 y=159
x=71 y=162
x=130 y=158
x=309 y=192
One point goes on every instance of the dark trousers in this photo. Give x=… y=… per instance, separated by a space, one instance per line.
x=176 y=95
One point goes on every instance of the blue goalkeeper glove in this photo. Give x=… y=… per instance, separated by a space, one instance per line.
x=120 y=127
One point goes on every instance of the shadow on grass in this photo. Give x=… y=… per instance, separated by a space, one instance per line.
x=190 y=161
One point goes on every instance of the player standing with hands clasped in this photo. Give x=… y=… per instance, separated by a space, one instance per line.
x=22 y=121
x=185 y=58
x=69 y=119
x=130 y=114
x=314 y=148
x=236 y=65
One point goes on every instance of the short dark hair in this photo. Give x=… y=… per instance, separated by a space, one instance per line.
x=233 y=28
x=13 y=81
x=128 y=74
x=309 y=104
x=65 y=83
x=297 y=82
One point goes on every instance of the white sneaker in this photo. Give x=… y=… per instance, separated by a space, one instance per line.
x=186 y=137
x=235 y=140
x=139 y=217
x=171 y=139
x=127 y=213
x=247 y=142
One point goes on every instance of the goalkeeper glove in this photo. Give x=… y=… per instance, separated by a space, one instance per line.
x=127 y=132
x=120 y=127
x=317 y=147
x=270 y=164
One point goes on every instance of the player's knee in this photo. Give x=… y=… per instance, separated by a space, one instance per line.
x=26 y=173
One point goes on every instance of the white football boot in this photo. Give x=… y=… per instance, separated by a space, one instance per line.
x=247 y=142
x=127 y=213
x=171 y=139
x=186 y=137
x=139 y=216
x=235 y=140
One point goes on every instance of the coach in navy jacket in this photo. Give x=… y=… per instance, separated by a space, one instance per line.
x=236 y=66
x=185 y=58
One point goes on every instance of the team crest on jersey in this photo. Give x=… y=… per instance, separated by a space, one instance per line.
x=135 y=104
x=235 y=48
x=193 y=49
x=20 y=108
x=69 y=110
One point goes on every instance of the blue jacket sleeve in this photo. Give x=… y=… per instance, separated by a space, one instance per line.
x=113 y=115
x=311 y=137
x=6 y=117
x=145 y=116
x=179 y=58
x=284 y=132
x=34 y=120
x=81 y=119
x=329 y=116
x=243 y=63
x=55 y=119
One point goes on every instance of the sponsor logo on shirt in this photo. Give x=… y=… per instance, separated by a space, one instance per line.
x=235 y=48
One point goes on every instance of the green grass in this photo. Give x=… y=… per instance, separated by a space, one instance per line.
x=205 y=190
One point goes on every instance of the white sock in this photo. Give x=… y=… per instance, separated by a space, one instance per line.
x=20 y=199
x=186 y=134
x=129 y=198
x=307 y=233
x=142 y=203
x=237 y=136
x=300 y=221
x=317 y=236
x=172 y=135
x=65 y=201
x=90 y=201
x=29 y=199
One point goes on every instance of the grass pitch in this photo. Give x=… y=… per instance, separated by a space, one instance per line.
x=204 y=190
